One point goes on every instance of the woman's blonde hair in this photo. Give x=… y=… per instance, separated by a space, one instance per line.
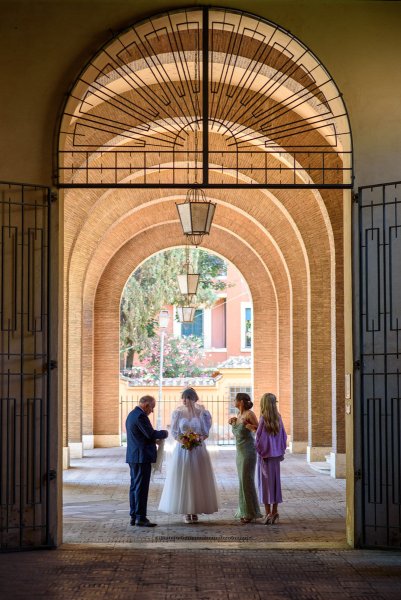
x=270 y=414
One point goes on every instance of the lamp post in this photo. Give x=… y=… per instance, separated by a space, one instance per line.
x=163 y=323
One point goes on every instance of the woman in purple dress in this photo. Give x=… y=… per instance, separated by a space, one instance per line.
x=271 y=441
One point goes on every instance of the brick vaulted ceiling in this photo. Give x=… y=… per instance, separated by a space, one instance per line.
x=195 y=95
x=165 y=106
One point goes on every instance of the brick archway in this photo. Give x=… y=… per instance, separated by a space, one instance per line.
x=278 y=234
x=282 y=128
x=106 y=316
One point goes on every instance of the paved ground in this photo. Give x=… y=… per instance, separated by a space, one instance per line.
x=96 y=507
x=126 y=574
x=216 y=560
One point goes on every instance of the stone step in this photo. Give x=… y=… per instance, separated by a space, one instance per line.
x=321 y=467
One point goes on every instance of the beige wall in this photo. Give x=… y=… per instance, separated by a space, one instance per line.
x=44 y=45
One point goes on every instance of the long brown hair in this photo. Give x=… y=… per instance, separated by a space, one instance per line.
x=270 y=414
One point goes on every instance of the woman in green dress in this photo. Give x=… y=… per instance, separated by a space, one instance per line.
x=243 y=425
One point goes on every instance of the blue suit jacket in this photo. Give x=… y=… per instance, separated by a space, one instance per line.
x=141 y=436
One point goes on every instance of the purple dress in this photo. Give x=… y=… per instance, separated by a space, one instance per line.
x=270 y=449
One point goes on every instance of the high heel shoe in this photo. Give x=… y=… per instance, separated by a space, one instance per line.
x=274 y=518
x=246 y=520
x=187 y=519
x=267 y=520
x=194 y=518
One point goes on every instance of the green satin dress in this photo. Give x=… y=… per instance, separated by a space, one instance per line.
x=246 y=462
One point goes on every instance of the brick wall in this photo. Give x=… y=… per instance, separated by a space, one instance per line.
x=287 y=246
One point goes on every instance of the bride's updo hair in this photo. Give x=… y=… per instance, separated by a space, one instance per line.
x=190 y=394
x=246 y=399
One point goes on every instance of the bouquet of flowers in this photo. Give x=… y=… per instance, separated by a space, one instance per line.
x=190 y=440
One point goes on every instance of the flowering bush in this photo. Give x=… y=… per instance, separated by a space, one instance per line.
x=182 y=357
x=134 y=372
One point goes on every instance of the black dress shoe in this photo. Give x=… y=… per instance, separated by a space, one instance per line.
x=132 y=522
x=145 y=524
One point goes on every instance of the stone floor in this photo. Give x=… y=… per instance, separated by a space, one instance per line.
x=96 y=507
x=213 y=574
x=219 y=559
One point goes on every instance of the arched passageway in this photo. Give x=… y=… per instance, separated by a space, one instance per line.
x=244 y=109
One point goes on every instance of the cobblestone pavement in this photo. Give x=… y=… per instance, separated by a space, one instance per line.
x=216 y=560
x=96 y=507
x=126 y=574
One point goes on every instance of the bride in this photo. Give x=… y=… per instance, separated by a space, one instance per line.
x=190 y=487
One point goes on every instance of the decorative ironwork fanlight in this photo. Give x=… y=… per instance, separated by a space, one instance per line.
x=186 y=314
x=269 y=109
x=196 y=215
x=188 y=281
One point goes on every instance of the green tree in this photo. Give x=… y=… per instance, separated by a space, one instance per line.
x=154 y=285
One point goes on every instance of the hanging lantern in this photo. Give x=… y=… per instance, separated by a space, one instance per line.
x=186 y=314
x=196 y=215
x=188 y=281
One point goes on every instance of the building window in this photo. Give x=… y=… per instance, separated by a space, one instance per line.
x=246 y=326
x=232 y=392
x=195 y=328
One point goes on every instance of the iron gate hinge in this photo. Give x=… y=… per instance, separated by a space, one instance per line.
x=52 y=474
x=357 y=365
x=52 y=364
x=53 y=195
x=358 y=475
x=355 y=197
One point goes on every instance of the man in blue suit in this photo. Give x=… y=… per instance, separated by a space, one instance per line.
x=141 y=453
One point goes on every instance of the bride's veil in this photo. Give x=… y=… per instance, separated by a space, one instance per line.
x=193 y=409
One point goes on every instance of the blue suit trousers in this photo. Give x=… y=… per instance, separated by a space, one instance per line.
x=139 y=489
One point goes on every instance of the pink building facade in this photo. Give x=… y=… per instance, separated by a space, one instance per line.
x=226 y=327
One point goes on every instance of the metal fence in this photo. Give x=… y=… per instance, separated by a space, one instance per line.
x=221 y=410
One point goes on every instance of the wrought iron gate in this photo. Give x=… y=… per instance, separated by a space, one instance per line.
x=378 y=367
x=221 y=409
x=28 y=443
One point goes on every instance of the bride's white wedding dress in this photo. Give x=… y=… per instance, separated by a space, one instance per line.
x=190 y=486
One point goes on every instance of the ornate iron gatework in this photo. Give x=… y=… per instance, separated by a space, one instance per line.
x=27 y=499
x=378 y=367
x=268 y=113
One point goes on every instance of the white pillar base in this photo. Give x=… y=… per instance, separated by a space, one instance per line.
x=297 y=447
x=66 y=458
x=317 y=453
x=88 y=442
x=107 y=441
x=76 y=449
x=337 y=465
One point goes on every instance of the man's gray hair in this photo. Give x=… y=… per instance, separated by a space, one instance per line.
x=146 y=400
